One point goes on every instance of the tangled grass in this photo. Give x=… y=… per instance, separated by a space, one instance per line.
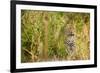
x=45 y=36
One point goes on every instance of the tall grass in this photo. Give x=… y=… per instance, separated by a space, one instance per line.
x=52 y=36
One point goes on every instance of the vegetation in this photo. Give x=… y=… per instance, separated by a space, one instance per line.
x=54 y=36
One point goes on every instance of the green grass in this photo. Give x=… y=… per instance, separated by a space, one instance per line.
x=43 y=36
